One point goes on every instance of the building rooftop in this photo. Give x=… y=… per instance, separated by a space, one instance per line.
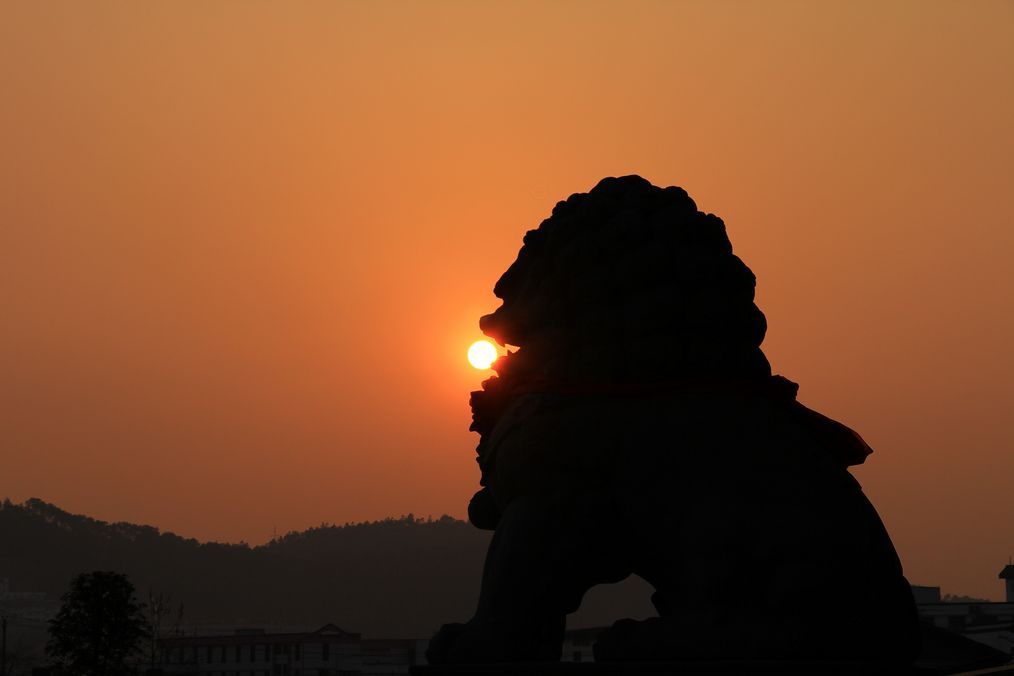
x=328 y=632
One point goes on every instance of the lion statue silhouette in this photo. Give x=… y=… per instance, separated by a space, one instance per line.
x=635 y=428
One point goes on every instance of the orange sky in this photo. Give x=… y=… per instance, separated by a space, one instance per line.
x=244 y=246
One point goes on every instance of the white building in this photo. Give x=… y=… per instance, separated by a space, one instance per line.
x=328 y=651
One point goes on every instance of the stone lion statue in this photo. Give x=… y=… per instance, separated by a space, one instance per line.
x=637 y=429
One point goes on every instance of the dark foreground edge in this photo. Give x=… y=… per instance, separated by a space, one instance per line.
x=697 y=668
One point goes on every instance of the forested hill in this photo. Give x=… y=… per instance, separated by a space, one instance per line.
x=396 y=577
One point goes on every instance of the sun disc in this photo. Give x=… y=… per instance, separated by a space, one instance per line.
x=482 y=354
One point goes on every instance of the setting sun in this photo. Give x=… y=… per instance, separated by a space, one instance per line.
x=482 y=354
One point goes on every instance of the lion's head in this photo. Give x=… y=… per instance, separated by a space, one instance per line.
x=620 y=275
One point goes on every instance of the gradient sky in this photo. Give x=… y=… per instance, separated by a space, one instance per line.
x=245 y=245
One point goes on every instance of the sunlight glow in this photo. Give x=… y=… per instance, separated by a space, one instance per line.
x=482 y=354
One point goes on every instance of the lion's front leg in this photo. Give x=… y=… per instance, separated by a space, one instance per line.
x=547 y=551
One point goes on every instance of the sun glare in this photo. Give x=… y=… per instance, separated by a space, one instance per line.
x=482 y=354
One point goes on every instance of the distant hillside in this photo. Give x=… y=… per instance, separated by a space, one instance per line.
x=396 y=577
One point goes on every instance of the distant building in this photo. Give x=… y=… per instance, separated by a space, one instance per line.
x=328 y=651
x=924 y=594
x=991 y=623
x=381 y=656
x=1007 y=575
x=27 y=605
x=577 y=644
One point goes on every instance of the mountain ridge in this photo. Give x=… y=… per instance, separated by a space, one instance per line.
x=394 y=577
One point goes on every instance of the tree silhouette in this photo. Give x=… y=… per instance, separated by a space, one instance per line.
x=99 y=626
x=158 y=611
